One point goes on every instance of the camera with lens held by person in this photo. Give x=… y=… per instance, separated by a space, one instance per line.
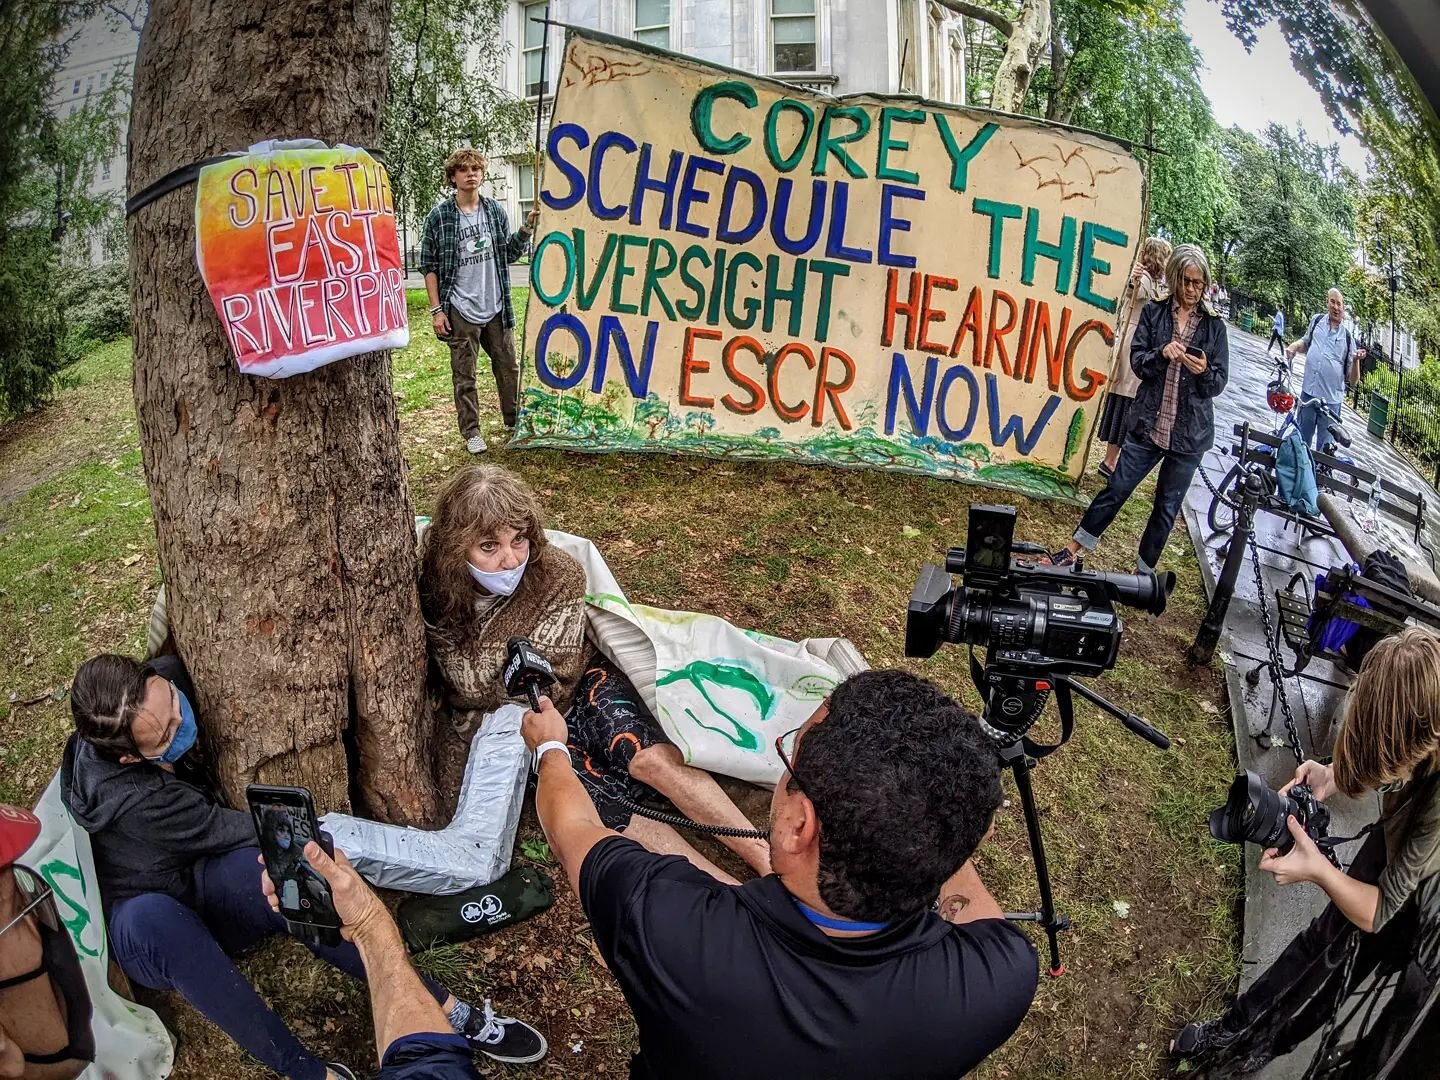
x=1255 y=813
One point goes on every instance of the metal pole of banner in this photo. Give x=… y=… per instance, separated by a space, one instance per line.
x=545 y=23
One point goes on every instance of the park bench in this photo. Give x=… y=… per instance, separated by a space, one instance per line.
x=1332 y=475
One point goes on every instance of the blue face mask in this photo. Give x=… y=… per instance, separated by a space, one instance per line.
x=184 y=735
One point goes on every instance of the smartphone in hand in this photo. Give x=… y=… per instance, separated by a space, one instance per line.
x=284 y=823
x=1199 y=354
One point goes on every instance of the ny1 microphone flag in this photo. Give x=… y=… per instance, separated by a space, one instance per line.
x=734 y=266
x=297 y=245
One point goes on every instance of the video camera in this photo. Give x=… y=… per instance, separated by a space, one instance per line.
x=1032 y=617
x=1040 y=626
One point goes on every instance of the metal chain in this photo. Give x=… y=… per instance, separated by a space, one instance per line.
x=1277 y=669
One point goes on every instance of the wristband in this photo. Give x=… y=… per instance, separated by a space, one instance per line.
x=437 y=309
x=548 y=745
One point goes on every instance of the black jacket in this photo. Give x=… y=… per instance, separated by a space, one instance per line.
x=1194 y=430
x=148 y=827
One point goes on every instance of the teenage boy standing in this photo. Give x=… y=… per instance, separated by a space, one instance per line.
x=465 y=253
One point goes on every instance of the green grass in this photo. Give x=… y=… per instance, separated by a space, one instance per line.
x=783 y=548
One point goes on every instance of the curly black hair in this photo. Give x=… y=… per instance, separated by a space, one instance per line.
x=904 y=784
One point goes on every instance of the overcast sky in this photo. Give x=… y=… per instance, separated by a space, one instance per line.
x=1252 y=89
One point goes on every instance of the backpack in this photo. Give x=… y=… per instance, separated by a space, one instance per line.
x=1295 y=477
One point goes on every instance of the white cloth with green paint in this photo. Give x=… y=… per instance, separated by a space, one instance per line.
x=722 y=694
x=130 y=1041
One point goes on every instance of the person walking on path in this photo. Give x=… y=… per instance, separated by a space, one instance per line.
x=1147 y=281
x=465 y=253
x=1332 y=363
x=1277 y=330
x=1182 y=356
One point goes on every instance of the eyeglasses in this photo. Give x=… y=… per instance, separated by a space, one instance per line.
x=785 y=748
x=36 y=898
x=1194 y=283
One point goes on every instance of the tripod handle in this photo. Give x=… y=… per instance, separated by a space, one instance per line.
x=1145 y=731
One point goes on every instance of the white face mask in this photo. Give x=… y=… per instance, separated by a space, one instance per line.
x=500 y=582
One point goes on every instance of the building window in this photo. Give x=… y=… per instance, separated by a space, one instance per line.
x=525 y=190
x=105 y=170
x=90 y=84
x=652 y=22
x=534 y=49
x=792 y=35
x=935 y=84
x=76 y=88
x=908 y=16
x=72 y=111
x=957 y=69
x=104 y=78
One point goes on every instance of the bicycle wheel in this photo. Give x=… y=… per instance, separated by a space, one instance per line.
x=1224 y=513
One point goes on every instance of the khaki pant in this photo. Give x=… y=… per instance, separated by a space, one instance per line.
x=466 y=340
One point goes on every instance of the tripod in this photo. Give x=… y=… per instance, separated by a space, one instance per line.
x=1014 y=700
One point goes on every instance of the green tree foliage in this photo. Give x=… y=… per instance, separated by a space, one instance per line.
x=447 y=91
x=1135 y=75
x=1294 y=226
x=45 y=165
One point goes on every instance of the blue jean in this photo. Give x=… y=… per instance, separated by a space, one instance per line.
x=1314 y=424
x=161 y=943
x=1138 y=457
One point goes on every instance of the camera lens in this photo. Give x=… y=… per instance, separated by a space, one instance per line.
x=1254 y=813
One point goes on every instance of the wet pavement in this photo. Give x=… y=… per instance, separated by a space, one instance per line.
x=1274 y=914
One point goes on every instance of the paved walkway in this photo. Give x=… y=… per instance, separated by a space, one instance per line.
x=1273 y=914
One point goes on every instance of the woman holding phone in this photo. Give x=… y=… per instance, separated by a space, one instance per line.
x=179 y=871
x=1182 y=356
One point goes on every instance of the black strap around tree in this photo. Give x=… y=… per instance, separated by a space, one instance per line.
x=186 y=174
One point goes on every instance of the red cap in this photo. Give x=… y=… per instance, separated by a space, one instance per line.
x=18 y=830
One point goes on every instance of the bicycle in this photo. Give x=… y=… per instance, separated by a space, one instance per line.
x=1282 y=401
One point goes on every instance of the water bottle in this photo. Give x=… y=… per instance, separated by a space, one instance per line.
x=1373 y=519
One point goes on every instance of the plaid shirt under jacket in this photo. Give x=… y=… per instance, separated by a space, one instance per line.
x=440 y=249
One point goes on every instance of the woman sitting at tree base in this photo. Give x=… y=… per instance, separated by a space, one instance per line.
x=487 y=574
x=180 y=874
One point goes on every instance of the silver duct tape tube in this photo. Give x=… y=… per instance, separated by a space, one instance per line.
x=475 y=848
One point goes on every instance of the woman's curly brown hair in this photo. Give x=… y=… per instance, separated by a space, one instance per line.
x=476 y=502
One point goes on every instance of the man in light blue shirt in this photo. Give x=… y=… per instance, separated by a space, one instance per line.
x=1332 y=360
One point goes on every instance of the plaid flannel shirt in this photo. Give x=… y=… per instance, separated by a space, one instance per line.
x=1164 y=425
x=440 y=250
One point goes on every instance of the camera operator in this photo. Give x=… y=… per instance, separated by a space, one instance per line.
x=1389 y=741
x=834 y=965
x=414 y=1036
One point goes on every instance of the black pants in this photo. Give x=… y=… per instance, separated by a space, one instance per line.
x=1137 y=458
x=1306 y=984
x=1275 y=339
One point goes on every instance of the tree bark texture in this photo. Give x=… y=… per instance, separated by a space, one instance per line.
x=282 y=507
x=1022 y=53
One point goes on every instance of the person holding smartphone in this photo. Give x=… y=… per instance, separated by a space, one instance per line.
x=177 y=867
x=412 y=1033
x=1182 y=355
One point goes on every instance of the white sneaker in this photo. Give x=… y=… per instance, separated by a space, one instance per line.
x=475 y=444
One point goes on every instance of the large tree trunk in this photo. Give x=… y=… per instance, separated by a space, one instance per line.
x=281 y=507
x=1022 y=53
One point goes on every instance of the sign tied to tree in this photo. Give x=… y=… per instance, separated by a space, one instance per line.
x=735 y=267
x=297 y=245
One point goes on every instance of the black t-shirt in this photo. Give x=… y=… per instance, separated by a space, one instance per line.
x=732 y=982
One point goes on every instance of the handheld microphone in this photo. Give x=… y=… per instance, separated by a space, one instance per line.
x=527 y=672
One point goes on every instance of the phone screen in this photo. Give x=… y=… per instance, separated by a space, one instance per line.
x=284 y=823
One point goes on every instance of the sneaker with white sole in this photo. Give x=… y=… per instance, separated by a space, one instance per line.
x=341 y=1071
x=475 y=444
x=503 y=1038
